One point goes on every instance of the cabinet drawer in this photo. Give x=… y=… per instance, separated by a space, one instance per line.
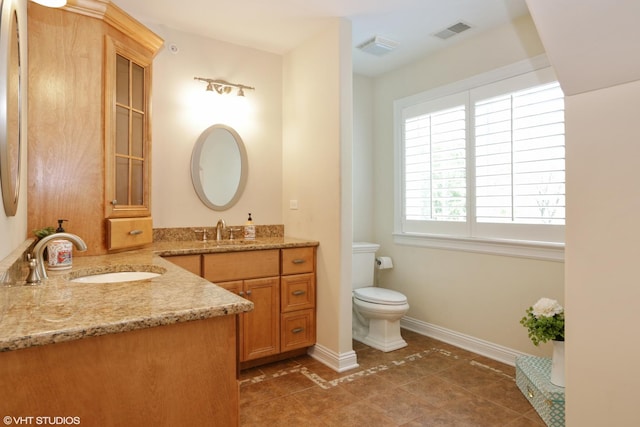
x=298 y=330
x=228 y=266
x=298 y=292
x=123 y=233
x=297 y=260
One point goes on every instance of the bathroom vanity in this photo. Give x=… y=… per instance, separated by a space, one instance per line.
x=159 y=351
x=277 y=275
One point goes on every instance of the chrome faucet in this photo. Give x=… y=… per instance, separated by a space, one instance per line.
x=219 y=227
x=38 y=250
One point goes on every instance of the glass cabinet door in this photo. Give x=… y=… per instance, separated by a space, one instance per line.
x=127 y=149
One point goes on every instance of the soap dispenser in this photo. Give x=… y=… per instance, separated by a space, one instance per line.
x=60 y=251
x=60 y=229
x=249 y=229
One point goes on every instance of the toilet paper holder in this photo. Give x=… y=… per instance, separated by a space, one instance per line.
x=383 y=263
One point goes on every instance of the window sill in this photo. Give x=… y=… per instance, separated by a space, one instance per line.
x=513 y=248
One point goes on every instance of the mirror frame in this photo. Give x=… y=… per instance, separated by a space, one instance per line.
x=10 y=29
x=195 y=167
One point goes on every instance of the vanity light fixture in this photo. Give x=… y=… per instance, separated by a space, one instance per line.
x=222 y=86
x=51 y=3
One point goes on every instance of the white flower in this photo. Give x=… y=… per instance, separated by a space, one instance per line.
x=546 y=307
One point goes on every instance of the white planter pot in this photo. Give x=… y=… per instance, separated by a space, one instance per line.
x=557 y=364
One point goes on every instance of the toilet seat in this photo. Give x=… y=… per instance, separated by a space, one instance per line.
x=380 y=296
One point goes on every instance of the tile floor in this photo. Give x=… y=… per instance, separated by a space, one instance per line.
x=427 y=383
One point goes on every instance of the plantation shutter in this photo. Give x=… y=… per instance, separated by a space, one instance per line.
x=435 y=162
x=520 y=157
x=486 y=163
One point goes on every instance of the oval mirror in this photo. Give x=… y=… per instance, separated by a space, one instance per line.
x=11 y=116
x=219 y=167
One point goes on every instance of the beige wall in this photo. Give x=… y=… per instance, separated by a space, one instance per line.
x=182 y=109
x=600 y=73
x=480 y=295
x=317 y=122
x=362 y=159
x=603 y=160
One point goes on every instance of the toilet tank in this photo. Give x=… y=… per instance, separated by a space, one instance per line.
x=363 y=261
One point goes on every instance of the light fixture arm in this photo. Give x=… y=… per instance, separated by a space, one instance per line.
x=223 y=86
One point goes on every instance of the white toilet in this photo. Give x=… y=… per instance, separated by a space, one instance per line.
x=376 y=311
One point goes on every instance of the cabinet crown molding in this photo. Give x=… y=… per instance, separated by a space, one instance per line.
x=118 y=19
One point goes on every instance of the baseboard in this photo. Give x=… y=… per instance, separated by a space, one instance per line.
x=467 y=342
x=338 y=362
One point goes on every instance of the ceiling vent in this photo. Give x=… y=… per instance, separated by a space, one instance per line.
x=378 y=46
x=452 y=30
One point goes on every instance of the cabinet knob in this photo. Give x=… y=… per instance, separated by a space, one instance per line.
x=241 y=293
x=298 y=292
x=248 y=292
x=114 y=202
x=297 y=330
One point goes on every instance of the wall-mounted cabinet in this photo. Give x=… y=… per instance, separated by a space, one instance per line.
x=74 y=72
x=127 y=145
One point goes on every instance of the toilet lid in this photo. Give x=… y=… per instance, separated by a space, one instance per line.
x=380 y=296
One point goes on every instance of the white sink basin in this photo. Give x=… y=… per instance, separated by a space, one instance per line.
x=116 y=277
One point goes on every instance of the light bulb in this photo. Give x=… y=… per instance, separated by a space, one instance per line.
x=51 y=3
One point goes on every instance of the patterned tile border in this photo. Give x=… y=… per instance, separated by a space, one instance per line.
x=327 y=384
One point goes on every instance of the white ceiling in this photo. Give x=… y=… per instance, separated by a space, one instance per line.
x=277 y=26
x=601 y=50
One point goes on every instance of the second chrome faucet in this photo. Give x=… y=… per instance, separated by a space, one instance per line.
x=220 y=226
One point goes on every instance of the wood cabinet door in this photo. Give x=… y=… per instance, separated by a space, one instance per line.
x=235 y=286
x=261 y=327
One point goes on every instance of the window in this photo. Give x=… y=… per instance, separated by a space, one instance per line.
x=483 y=163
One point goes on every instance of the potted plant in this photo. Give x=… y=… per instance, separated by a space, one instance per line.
x=43 y=232
x=545 y=322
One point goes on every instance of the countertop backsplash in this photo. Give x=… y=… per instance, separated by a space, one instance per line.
x=185 y=234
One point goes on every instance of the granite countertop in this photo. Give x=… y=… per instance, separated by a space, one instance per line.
x=192 y=247
x=59 y=310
